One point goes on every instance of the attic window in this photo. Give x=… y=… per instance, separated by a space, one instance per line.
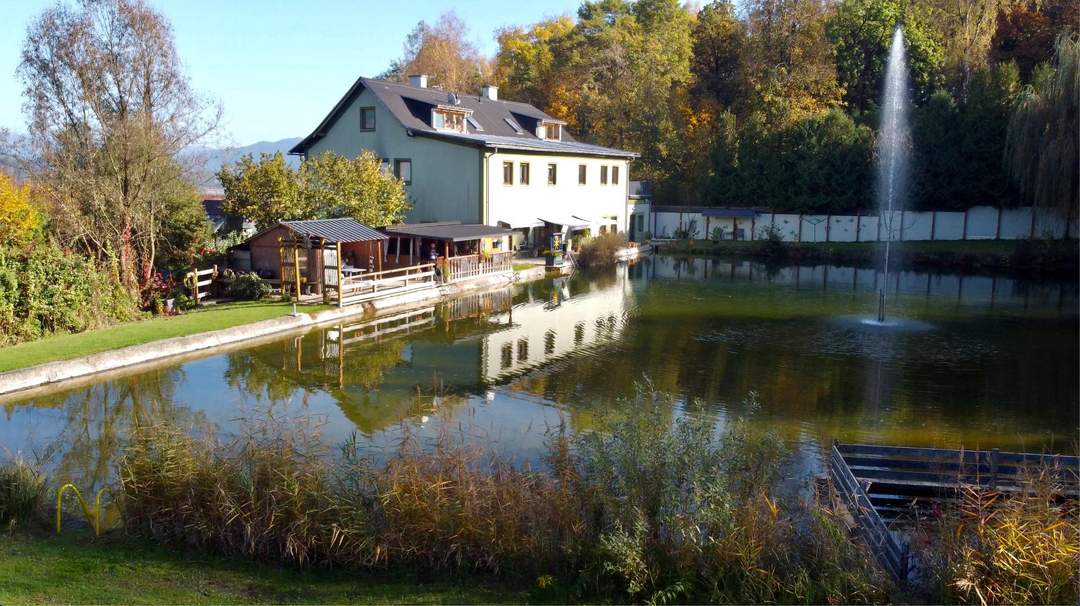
x=551 y=132
x=514 y=125
x=444 y=119
x=474 y=124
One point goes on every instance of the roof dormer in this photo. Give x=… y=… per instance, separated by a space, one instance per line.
x=450 y=118
x=550 y=130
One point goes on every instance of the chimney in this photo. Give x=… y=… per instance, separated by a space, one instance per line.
x=490 y=92
x=418 y=80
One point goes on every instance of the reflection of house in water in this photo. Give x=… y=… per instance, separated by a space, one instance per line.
x=383 y=370
x=540 y=331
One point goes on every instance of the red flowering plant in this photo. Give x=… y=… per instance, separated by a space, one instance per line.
x=159 y=288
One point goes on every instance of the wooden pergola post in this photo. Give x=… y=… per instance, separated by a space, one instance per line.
x=296 y=265
x=281 y=263
x=340 y=289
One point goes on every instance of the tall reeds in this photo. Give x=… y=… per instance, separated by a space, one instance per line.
x=22 y=495
x=1006 y=548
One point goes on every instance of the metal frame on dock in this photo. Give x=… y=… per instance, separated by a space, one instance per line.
x=881 y=485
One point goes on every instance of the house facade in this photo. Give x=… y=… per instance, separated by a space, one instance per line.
x=479 y=159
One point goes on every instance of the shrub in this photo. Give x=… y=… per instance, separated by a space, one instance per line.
x=44 y=290
x=22 y=494
x=600 y=250
x=248 y=287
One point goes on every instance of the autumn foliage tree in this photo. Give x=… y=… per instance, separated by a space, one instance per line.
x=324 y=186
x=20 y=220
x=110 y=110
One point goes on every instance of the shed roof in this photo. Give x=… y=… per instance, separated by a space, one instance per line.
x=336 y=230
x=453 y=231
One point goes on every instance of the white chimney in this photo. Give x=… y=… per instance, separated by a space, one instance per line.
x=418 y=80
x=490 y=92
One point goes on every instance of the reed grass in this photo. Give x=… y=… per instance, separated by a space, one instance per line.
x=1006 y=548
x=653 y=509
x=22 y=495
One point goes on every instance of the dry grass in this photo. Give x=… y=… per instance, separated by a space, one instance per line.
x=995 y=548
x=651 y=510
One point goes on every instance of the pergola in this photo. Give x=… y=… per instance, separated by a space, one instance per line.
x=450 y=239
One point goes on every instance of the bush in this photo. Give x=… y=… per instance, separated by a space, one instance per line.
x=22 y=495
x=44 y=290
x=248 y=287
x=600 y=250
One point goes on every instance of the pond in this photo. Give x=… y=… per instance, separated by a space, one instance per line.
x=979 y=362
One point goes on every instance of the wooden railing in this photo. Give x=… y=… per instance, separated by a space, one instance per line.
x=197 y=282
x=474 y=266
x=355 y=289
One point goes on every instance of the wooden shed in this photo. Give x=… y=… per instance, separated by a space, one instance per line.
x=300 y=252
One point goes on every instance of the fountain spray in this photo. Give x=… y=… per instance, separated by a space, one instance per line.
x=892 y=150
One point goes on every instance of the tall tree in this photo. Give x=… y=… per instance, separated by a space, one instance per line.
x=1041 y=148
x=20 y=221
x=110 y=109
x=443 y=52
x=528 y=62
x=718 y=62
x=1026 y=32
x=861 y=31
x=792 y=72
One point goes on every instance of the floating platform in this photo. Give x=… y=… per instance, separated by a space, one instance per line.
x=886 y=487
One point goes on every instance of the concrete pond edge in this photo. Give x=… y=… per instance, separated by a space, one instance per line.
x=25 y=381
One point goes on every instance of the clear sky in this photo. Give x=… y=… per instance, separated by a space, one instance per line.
x=278 y=66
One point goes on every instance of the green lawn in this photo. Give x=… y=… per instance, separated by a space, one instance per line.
x=78 y=569
x=216 y=317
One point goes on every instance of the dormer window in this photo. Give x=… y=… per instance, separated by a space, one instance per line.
x=448 y=119
x=552 y=132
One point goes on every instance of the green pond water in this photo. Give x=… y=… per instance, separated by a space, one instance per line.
x=975 y=361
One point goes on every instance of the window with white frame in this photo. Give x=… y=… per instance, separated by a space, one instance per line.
x=403 y=170
x=445 y=119
x=508 y=173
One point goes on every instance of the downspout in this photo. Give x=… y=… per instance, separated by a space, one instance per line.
x=484 y=194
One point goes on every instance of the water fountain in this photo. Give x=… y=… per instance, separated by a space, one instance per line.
x=893 y=145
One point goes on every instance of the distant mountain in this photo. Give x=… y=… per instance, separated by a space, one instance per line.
x=215 y=158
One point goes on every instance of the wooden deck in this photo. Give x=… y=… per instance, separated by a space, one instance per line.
x=885 y=488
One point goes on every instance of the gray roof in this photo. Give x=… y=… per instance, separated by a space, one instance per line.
x=457 y=232
x=335 y=230
x=411 y=106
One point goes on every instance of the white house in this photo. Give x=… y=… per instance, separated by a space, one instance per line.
x=479 y=159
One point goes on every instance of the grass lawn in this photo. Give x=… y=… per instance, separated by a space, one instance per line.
x=523 y=266
x=216 y=317
x=76 y=568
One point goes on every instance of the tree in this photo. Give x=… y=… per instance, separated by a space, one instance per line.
x=526 y=64
x=110 y=110
x=1025 y=33
x=1041 y=148
x=958 y=144
x=443 y=52
x=336 y=186
x=266 y=192
x=325 y=186
x=718 y=63
x=20 y=221
x=861 y=32
x=965 y=29
x=792 y=73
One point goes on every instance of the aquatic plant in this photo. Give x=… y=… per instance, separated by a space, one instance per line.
x=1005 y=548
x=651 y=508
x=22 y=494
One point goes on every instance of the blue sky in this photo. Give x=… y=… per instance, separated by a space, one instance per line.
x=278 y=66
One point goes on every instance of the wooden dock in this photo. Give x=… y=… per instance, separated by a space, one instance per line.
x=886 y=487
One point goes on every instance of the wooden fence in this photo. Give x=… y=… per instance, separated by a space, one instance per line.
x=473 y=266
x=197 y=281
x=368 y=286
